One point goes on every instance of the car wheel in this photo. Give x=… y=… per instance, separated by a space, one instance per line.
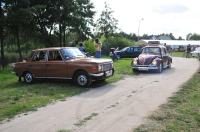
x=82 y=79
x=28 y=77
x=160 y=68
x=135 y=71
x=169 y=64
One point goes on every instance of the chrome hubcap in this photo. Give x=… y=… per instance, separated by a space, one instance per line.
x=28 y=78
x=82 y=80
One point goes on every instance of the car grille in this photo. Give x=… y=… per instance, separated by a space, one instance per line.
x=144 y=61
x=107 y=66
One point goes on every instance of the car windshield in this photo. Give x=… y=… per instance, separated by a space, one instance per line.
x=197 y=49
x=72 y=53
x=151 y=50
x=124 y=49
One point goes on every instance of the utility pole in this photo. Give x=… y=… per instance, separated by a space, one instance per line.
x=139 y=27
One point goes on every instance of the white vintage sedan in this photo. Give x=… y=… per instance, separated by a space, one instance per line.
x=196 y=52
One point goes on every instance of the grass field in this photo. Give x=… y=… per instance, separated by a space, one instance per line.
x=178 y=54
x=181 y=114
x=16 y=98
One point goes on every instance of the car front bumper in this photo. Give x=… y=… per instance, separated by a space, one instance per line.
x=102 y=75
x=145 y=67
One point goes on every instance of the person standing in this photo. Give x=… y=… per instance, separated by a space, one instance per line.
x=98 y=47
x=82 y=48
x=188 y=50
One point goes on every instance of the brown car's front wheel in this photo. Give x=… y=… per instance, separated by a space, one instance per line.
x=28 y=77
x=82 y=79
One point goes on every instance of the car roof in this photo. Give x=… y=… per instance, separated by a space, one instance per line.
x=155 y=46
x=52 y=48
x=136 y=46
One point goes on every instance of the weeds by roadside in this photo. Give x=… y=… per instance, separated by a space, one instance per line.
x=182 y=113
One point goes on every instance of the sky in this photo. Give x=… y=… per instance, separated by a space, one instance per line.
x=179 y=17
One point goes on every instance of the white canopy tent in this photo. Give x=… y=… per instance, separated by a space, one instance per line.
x=176 y=42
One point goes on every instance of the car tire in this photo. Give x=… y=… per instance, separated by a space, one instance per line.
x=169 y=65
x=82 y=79
x=160 y=68
x=135 y=71
x=28 y=77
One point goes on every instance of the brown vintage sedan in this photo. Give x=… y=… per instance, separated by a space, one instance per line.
x=64 y=63
x=153 y=57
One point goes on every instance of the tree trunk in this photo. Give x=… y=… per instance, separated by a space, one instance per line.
x=64 y=35
x=2 y=62
x=60 y=34
x=2 y=53
x=18 y=45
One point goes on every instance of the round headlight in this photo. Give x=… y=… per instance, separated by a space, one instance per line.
x=135 y=62
x=154 y=62
x=112 y=65
x=100 y=67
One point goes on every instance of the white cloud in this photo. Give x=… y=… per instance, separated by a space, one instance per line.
x=179 y=17
x=171 y=8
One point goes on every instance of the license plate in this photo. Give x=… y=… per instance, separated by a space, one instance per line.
x=108 y=73
x=143 y=68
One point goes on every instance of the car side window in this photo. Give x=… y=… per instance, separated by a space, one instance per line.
x=137 y=49
x=54 y=55
x=39 y=56
x=127 y=50
x=130 y=50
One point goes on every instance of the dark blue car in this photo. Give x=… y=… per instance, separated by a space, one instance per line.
x=129 y=52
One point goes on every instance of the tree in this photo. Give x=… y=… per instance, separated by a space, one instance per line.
x=188 y=36
x=172 y=36
x=19 y=19
x=180 y=38
x=78 y=18
x=2 y=31
x=194 y=37
x=107 y=24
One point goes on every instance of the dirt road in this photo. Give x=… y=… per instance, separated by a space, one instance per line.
x=118 y=107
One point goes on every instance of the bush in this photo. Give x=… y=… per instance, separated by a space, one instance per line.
x=89 y=46
x=114 y=42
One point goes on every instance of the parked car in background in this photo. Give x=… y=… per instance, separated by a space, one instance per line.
x=196 y=52
x=152 y=58
x=129 y=52
x=64 y=63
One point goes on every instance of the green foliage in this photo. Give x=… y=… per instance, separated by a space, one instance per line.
x=194 y=36
x=48 y=21
x=116 y=41
x=106 y=24
x=89 y=46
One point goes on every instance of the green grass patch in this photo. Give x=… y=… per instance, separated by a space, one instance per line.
x=178 y=54
x=182 y=113
x=122 y=68
x=16 y=97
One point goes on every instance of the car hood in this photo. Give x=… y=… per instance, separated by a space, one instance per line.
x=146 y=59
x=92 y=60
x=196 y=51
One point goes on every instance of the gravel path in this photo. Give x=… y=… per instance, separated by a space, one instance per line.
x=119 y=107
